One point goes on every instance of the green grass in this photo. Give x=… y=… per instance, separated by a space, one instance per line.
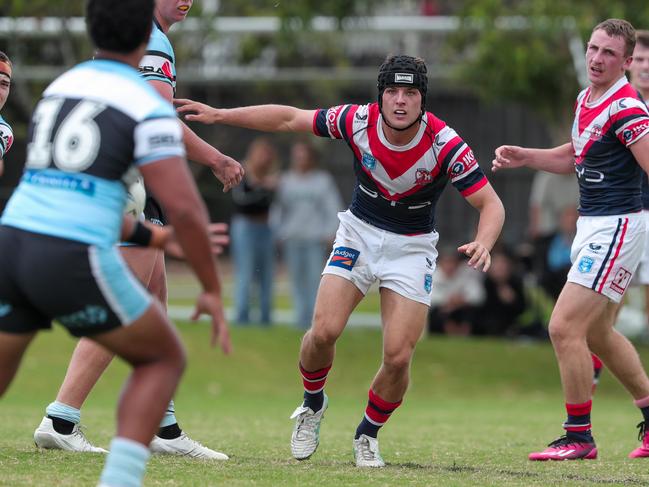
x=473 y=412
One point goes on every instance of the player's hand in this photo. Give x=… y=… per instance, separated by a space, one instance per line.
x=210 y=303
x=229 y=172
x=508 y=157
x=193 y=111
x=219 y=239
x=479 y=256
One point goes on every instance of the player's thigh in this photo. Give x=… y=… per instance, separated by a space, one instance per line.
x=577 y=310
x=336 y=299
x=404 y=320
x=150 y=338
x=141 y=261
x=158 y=282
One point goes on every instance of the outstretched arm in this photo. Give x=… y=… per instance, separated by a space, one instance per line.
x=266 y=118
x=492 y=217
x=558 y=160
x=226 y=169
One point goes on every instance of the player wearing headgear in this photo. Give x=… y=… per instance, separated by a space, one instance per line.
x=6 y=135
x=58 y=259
x=403 y=158
x=59 y=429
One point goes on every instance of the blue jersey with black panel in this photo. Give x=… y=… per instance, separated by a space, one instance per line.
x=159 y=61
x=6 y=137
x=93 y=123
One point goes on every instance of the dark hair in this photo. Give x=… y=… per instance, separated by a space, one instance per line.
x=395 y=71
x=119 y=25
x=642 y=38
x=5 y=58
x=619 y=28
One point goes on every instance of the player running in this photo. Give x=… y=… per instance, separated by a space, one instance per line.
x=58 y=259
x=403 y=158
x=59 y=429
x=609 y=151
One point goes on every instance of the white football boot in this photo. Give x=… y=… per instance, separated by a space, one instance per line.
x=184 y=446
x=366 y=452
x=46 y=436
x=306 y=432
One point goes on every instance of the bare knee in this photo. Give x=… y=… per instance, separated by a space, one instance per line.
x=562 y=334
x=323 y=333
x=397 y=359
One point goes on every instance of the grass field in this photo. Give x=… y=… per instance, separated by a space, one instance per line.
x=474 y=410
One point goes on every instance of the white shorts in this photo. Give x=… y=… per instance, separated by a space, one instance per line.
x=642 y=274
x=363 y=253
x=606 y=252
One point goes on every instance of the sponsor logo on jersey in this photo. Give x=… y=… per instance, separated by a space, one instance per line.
x=5 y=309
x=166 y=70
x=61 y=181
x=468 y=161
x=360 y=117
x=589 y=175
x=585 y=264
x=438 y=142
x=621 y=280
x=629 y=134
x=89 y=316
x=428 y=283
x=429 y=263
x=344 y=257
x=368 y=161
x=423 y=176
x=595 y=248
x=332 y=116
x=164 y=140
x=404 y=78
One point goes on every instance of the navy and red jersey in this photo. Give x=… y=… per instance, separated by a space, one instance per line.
x=608 y=174
x=397 y=187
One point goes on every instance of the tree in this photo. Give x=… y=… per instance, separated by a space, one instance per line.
x=520 y=50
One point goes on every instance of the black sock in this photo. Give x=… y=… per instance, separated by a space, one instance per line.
x=645 y=414
x=170 y=432
x=581 y=436
x=314 y=401
x=61 y=426
x=366 y=428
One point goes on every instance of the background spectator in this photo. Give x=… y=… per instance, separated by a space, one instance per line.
x=252 y=248
x=457 y=292
x=557 y=262
x=305 y=218
x=504 y=296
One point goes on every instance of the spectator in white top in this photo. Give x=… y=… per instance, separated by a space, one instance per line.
x=305 y=215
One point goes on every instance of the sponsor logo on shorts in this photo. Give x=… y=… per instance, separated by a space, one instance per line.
x=5 y=309
x=595 y=248
x=428 y=283
x=621 y=280
x=344 y=257
x=585 y=264
x=89 y=316
x=368 y=161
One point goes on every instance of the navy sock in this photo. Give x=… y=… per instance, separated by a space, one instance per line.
x=170 y=432
x=62 y=426
x=314 y=401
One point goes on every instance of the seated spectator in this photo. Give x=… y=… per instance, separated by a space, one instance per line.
x=456 y=294
x=505 y=296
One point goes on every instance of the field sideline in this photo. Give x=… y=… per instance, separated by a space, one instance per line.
x=473 y=412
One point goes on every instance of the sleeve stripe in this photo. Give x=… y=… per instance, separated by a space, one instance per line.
x=476 y=187
x=161 y=54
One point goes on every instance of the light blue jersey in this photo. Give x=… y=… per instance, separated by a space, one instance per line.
x=93 y=123
x=159 y=61
x=6 y=137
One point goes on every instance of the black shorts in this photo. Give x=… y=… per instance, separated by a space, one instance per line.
x=86 y=288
